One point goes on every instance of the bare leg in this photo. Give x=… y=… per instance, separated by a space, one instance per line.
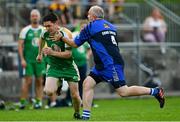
x=27 y=80
x=76 y=100
x=88 y=93
x=39 y=88
x=158 y=93
x=133 y=91
x=53 y=100
x=25 y=87
x=51 y=85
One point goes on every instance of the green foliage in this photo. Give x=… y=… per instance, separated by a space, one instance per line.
x=124 y=109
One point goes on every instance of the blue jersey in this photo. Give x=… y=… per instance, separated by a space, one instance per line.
x=102 y=37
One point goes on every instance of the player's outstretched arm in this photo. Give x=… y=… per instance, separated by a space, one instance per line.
x=58 y=36
x=70 y=42
x=41 y=45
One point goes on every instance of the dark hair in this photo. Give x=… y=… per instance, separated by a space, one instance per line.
x=50 y=17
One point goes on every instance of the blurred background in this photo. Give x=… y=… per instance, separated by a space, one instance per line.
x=149 y=61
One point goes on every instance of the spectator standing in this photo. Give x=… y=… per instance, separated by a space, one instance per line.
x=28 y=50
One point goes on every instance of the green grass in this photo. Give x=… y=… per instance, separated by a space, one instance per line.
x=109 y=110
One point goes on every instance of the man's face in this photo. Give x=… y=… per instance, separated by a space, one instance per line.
x=50 y=26
x=35 y=18
x=90 y=15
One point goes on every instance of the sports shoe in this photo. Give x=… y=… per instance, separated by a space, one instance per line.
x=22 y=104
x=58 y=92
x=77 y=116
x=37 y=106
x=160 y=97
x=2 y=105
x=22 y=107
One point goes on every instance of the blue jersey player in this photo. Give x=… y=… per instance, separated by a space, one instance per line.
x=109 y=65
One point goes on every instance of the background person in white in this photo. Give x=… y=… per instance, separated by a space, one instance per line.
x=154 y=27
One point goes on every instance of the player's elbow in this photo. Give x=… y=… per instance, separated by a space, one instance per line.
x=68 y=54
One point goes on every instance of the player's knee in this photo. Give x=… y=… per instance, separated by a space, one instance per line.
x=75 y=95
x=39 y=82
x=123 y=91
x=123 y=94
x=86 y=86
x=27 y=83
x=48 y=92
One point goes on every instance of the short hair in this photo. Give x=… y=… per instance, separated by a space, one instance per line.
x=97 y=11
x=35 y=11
x=50 y=17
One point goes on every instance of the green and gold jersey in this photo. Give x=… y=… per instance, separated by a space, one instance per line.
x=60 y=67
x=58 y=46
x=31 y=38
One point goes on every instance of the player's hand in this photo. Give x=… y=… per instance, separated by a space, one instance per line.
x=23 y=63
x=39 y=58
x=57 y=36
x=47 y=51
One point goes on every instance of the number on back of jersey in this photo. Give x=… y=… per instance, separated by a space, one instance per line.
x=113 y=40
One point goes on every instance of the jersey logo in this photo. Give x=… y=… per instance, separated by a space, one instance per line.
x=106 y=26
x=56 y=47
x=35 y=42
x=47 y=38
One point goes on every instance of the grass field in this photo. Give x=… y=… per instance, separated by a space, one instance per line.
x=124 y=109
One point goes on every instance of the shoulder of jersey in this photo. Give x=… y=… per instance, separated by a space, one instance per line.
x=66 y=32
x=42 y=27
x=26 y=28
x=44 y=30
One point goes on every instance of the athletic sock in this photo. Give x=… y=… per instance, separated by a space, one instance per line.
x=86 y=114
x=23 y=102
x=154 y=91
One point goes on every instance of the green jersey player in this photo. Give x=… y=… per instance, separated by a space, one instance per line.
x=28 y=51
x=62 y=66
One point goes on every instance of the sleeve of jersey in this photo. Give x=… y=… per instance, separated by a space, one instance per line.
x=82 y=37
x=22 y=34
x=66 y=46
x=42 y=34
